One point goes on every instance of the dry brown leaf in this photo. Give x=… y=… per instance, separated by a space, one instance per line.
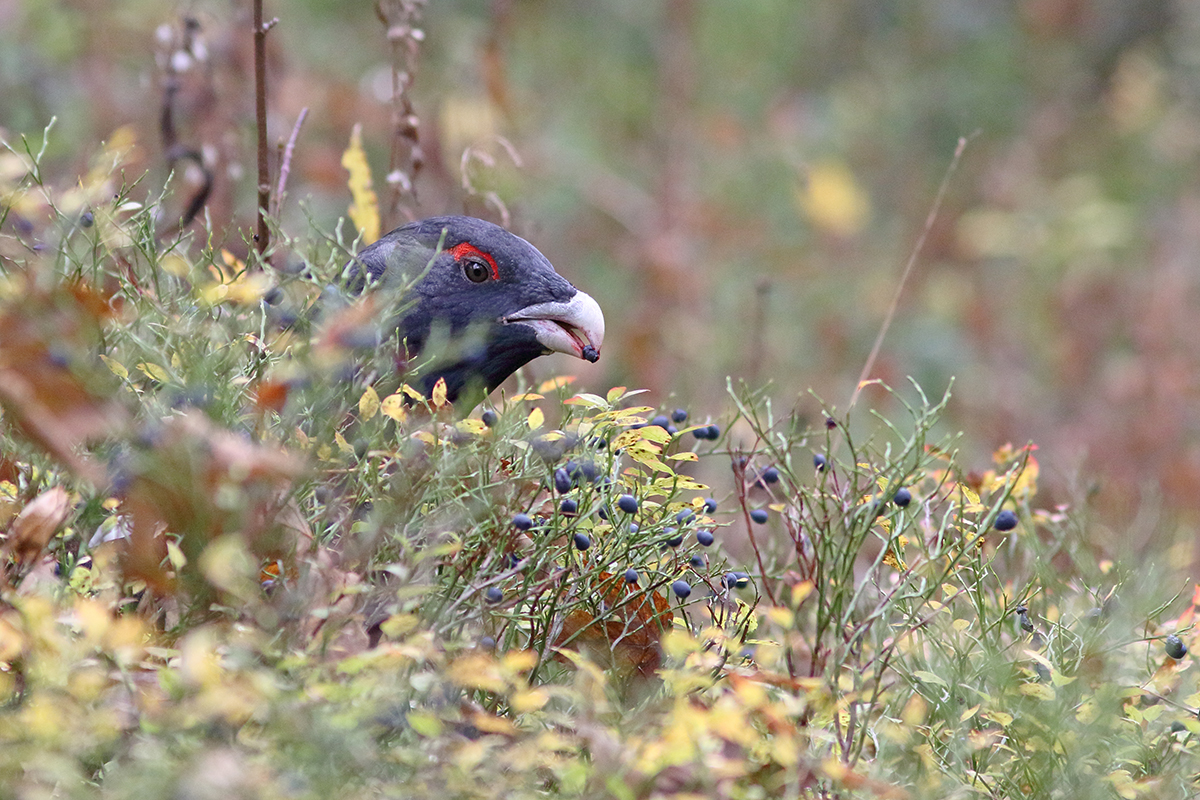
x=39 y=388
x=36 y=524
x=629 y=637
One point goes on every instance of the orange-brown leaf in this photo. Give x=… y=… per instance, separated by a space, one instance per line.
x=33 y=528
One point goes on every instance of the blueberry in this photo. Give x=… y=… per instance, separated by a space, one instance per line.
x=697 y=562
x=631 y=575
x=562 y=481
x=671 y=429
x=705 y=538
x=902 y=498
x=685 y=516
x=522 y=522
x=602 y=512
x=819 y=462
x=633 y=527
x=681 y=589
x=490 y=418
x=493 y=594
x=714 y=433
x=1175 y=647
x=487 y=643
x=736 y=580
x=770 y=475
x=627 y=503
x=710 y=505
x=700 y=433
x=661 y=421
x=679 y=415
x=86 y=219
x=514 y=559
x=599 y=443
x=568 y=506
x=1005 y=521
x=582 y=542
x=674 y=539
x=588 y=470
x=759 y=515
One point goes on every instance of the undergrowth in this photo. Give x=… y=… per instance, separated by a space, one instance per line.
x=242 y=557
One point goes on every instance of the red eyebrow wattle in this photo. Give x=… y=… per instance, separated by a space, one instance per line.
x=467 y=249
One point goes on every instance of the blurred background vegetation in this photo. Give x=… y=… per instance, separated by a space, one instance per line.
x=740 y=186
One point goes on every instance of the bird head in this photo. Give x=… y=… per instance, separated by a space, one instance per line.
x=484 y=298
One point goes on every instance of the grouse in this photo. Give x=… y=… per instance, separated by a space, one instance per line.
x=485 y=302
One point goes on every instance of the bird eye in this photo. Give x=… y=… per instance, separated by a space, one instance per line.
x=476 y=271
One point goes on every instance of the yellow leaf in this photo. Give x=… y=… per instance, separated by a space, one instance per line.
x=1123 y=783
x=424 y=723
x=342 y=444
x=115 y=367
x=528 y=700
x=175 y=265
x=801 y=591
x=1000 y=718
x=654 y=434
x=398 y=625
x=438 y=395
x=832 y=199
x=12 y=641
x=914 y=711
x=471 y=425
x=175 y=555
x=522 y=397
x=492 y=724
x=413 y=393
x=364 y=210
x=686 y=455
x=517 y=661
x=536 y=418
x=153 y=371
x=235 y=264
x=556 y=383
x=971 y=504
x=625 y=439
x=649 y=459
x=368 y=404
x=1039 y=690
x=393 y=406
x=1026 y=484
x=615 y=393
x=476 y=671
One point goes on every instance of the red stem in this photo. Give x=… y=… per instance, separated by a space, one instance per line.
x=262 y=237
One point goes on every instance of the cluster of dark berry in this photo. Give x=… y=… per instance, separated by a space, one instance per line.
x=582 y=491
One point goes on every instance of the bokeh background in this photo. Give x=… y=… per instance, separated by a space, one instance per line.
x=740 y=185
